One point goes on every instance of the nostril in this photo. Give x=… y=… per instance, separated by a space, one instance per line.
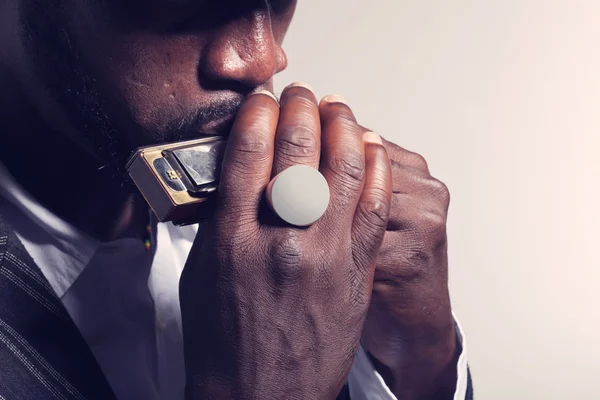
x=227 y=76
x=282 y=60
x=244 y=52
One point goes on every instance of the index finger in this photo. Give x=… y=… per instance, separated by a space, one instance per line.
x=248 y=159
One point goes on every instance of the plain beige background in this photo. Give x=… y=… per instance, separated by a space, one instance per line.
x=502 y=97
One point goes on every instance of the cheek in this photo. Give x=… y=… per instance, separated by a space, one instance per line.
x=146 y=79
x=282 y=20
x=155 y=76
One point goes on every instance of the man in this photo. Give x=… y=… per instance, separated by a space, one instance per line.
x=91 y=301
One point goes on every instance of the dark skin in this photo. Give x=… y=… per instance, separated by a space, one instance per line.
x=88 y=81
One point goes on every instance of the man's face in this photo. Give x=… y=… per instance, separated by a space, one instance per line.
x=119 y=74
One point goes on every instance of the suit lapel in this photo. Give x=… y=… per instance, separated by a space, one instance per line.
x=42 y=353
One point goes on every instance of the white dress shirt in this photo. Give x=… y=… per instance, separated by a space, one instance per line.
x=125 y=302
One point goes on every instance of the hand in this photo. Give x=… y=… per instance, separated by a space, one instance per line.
x=409 y=331
x=272 y=311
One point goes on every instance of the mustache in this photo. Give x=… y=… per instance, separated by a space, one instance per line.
x=195 y=123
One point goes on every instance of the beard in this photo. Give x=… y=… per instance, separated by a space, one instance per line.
x=58 y=63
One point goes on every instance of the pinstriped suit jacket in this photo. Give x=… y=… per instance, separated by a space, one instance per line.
x=42 y=354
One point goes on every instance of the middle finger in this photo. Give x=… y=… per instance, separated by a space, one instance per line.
x=298 y=137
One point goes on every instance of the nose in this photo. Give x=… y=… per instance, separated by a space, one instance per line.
x=244 y=52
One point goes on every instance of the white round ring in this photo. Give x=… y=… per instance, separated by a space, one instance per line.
x=299 y=195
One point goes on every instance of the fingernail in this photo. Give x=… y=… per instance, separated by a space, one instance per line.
x=265 y=92
x=334 y=98
x=372 y=137
x=300 y=84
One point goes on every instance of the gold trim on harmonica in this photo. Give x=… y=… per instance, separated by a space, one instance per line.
x=179 y=180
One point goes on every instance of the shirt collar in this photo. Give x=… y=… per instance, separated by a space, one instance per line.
x=73 y=247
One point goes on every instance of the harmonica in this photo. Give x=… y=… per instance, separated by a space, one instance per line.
x=179 y=180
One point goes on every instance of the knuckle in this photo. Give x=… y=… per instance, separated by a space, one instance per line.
x=406 y=157
x=252 y=144
x=251 y=148
x=432 y=229
x=374 y=213
x=417 y=160
x=417 y=254
x=287 y=260
x=297 y=142
x=413 y=259
x=440 y=191
x=349 y=168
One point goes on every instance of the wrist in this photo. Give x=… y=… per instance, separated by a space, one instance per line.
x=429 y=373
x=417 y=363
